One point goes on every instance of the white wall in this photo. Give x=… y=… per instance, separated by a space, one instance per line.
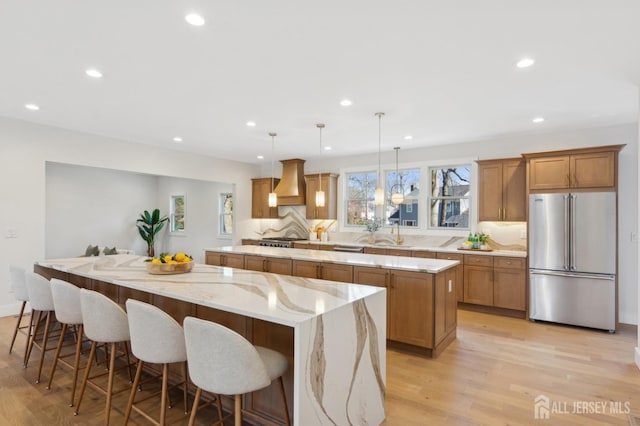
x=515 y=145
x=26 y=147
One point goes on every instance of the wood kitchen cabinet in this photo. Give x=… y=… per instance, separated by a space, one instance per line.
x=323 y=271
x=230 y=260
x=478 y=279
x=260 y=189
x=388 y=251
x=509 y=283
x=579 y=169
x=411 y=303
x=268 y=264
x=330 y=188
x=423 y=254
x=446 y=319
x=458 y=270
x=502 y=190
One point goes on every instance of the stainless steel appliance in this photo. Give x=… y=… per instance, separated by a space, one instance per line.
x=286 y=242
x=572 y=258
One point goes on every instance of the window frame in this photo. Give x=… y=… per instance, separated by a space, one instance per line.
x=469 y=198
x=173 y=215
x=222 y=197
x=367 y=200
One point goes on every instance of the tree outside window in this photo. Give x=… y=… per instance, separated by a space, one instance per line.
x=226 y=213
x=449 y=197
x=359 y=197
x=177 y=213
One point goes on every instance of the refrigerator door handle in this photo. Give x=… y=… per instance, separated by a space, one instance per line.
x=572 y=249
x=566 y=232
x=570 y=275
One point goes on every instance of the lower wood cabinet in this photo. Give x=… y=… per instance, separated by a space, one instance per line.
x=424 y=254
x=411 y=308
x=230 y=260
x=268 y=264
x=387 y=251
x=459 y=272
x=446 y=319
x=478 y=285
x=323 y=271
x=495 y=281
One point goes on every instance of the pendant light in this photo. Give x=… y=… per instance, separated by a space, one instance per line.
x=273 y=197
x=320 y=192
x=379 y=194
x=397 y=191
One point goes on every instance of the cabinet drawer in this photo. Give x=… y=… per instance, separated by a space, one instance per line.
x=449 y=256
x=509 y=262
x=478 y=260
x=424 y=253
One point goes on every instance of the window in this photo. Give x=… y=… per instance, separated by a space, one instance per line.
x=407 y=182
x=177 y=213
x=226 y=214
x=359 y=197
x=449 y=197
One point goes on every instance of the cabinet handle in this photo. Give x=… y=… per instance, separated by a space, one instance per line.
x=504 y=213
x=499 y=210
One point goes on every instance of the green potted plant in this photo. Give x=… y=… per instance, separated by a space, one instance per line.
x=149 y=224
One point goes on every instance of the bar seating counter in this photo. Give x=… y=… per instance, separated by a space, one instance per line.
x=332 y=333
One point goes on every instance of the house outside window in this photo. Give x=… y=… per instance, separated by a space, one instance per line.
x=359 y=197
x=226 y=214
x=449 y=199
x=177 y=213
x=406 y=181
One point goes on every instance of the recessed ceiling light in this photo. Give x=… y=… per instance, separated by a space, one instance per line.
x=260 y=157
x=346 y=102
x=194 y=19
x=327 y=148
x=32 y=107
x=93 y=73
x=538 y=120
x=408 y=137
x=251 y=123
x=177 y=139
x=525 y=63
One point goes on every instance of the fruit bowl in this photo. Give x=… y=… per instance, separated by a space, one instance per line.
x=169 y=268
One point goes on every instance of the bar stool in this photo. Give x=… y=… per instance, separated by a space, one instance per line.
x=105 y=322
x=222 y=361
x=156 y=338
x=66 y=300
x=41 y=300
x=19 y=286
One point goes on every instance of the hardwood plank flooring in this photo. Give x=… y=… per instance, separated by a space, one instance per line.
x=490 y=375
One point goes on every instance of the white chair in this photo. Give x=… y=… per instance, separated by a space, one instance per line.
x=156 y=338
x=105 y=322
x=41 y=300
x=225 y=363
x=19 y=286
x=66 y=301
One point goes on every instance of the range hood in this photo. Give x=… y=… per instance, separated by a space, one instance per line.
x=292 y=188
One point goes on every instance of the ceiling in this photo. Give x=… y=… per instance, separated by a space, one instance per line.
x=442 y=71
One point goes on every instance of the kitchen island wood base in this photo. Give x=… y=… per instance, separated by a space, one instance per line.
x=332 y=334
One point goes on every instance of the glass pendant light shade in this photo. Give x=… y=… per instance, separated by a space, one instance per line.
x=273 y=197
x=379 y=194
x=397 y=196
x=320 y=192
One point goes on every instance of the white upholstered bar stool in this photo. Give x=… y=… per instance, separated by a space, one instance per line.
x=19 y=286
x=104 y=322
x=223 y=362
x=156 y=338
x=41 y=300
x=66 y=301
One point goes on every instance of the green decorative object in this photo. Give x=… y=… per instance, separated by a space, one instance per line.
x=149 y=225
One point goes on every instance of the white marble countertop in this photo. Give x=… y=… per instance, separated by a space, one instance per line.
x=453 y=248
x=432 y=266
x=275 y=298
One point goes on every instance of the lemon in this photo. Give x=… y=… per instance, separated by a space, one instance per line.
x=156 y=261
x=180 y=257
x=168 y=258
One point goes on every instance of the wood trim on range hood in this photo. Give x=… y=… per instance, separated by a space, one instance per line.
x=292 y=188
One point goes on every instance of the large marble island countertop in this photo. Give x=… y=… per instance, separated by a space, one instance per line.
x=281 y=299
x=432 y=266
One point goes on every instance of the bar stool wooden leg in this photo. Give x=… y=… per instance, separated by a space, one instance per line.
x=238 y=410
x=76 y=364
x=15 y=332
x=43 y=349
x=55 y=357
x=33 y=331
x=194 y=409
x=112 y=366
x=92 y=354
x=284 y=401
x=163 y=397
x=134 y=389
x=185 y=389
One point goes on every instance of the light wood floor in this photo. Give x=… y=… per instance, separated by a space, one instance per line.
x=490 y=375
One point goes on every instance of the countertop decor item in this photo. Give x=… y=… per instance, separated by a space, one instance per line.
x=166 y=264
x=149 y=224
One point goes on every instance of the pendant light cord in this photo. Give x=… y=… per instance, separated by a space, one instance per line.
x=273 y=135
x=320 y=126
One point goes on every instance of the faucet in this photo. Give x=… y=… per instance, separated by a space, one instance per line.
x=399 y=239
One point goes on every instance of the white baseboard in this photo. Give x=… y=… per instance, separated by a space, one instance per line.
x=637 y=357
x=12 y=309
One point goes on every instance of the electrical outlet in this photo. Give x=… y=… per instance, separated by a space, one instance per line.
x=523 y=234
x=634 y=237
x=11 y=233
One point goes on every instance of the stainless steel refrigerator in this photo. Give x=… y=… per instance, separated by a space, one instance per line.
x=572 y=258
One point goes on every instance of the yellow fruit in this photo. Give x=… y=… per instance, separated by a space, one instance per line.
x=155 y=261
x=172 y=262
x=179 y=257
x=168 y=258
x=186 y=259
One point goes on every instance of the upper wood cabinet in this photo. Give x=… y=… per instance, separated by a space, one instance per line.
x=579 y=169
x=502 y=190
x=330 y=188
x=260 y=189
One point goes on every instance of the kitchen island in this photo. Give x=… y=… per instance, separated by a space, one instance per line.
x=332 y=333
x=421 y=303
